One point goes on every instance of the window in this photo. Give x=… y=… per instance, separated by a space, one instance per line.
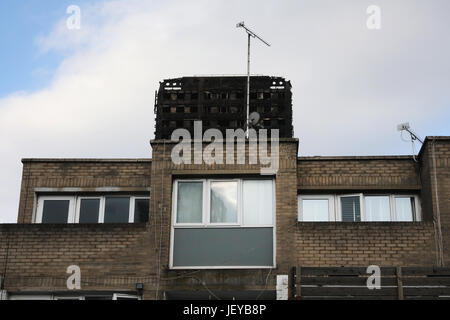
x=224 y=202
x=405 y=208
x=189 y=202
x=55 y=209
x=316 y=208
x=235 y=202
x=117 y=209
x=89 y=210
x=350 y=208
x=359 y=207
x=141 y=210
x=223 y=223
x=257 y=202
x=92 y=209
x=378 y=208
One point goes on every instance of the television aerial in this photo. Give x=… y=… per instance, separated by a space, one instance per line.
x=413 y=137
x=254 y=119
x=250 y=34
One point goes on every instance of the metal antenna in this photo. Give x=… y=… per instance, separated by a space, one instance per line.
x=250 y=34
x=406 y=127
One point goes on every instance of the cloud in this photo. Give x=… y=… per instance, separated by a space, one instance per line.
x=351 y=86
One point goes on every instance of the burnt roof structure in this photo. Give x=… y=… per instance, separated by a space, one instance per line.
x=220 y=102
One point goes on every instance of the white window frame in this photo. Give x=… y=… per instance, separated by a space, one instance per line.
x=331 y=206
x=206 y=205
x=361 y=206
x=336 y=199
x=175 y=204
x=417 y=215
x=75 y=205
x=133 y=218
x=40 y=207
x=205 y=214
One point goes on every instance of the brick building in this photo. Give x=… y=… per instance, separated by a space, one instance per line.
x=154 y=229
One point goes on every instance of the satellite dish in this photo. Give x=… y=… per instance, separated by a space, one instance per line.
x=253 y=119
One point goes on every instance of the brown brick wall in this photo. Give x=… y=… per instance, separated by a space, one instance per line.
x=163 y=172
x=84 y=174
x=435 y=157
x=358 y=173
x=118 y=256
x=111 y=256
x=364 y=244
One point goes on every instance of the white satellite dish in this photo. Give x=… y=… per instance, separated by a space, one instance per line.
x=253 y=119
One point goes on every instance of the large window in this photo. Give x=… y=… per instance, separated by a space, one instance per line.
x=359 y=207
x=92 y=209
x=223 y=223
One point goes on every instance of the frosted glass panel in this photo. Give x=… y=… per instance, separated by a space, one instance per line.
x=224 y=202
x=378 y=208
x=404 y=208
x=257 y=200
x=189 y=202
x=315 y=210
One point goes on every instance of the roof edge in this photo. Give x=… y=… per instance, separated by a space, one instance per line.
x=382 y=157
x=112 y=160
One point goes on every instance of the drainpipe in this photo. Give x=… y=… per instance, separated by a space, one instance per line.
x=438 y=213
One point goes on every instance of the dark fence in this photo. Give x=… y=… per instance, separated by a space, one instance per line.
x=396 y=283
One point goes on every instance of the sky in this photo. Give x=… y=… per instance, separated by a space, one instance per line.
x=89 y=92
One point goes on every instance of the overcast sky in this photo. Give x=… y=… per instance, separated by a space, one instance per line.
x=90 y=92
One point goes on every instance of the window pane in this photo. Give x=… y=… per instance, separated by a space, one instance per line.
x=257 y=200
x=55 y=211
x=378 y=208
x=117 y=209
x=89 y=210
x=190 y=202
x=224 y=202
x=315 y=210
x=141 y=210
x=351 y=209
x=405 y=208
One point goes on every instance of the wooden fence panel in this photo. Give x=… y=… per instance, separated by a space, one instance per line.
x=337 y=283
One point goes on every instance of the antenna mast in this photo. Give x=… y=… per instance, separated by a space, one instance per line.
x=406 y=127
x=250 y=34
